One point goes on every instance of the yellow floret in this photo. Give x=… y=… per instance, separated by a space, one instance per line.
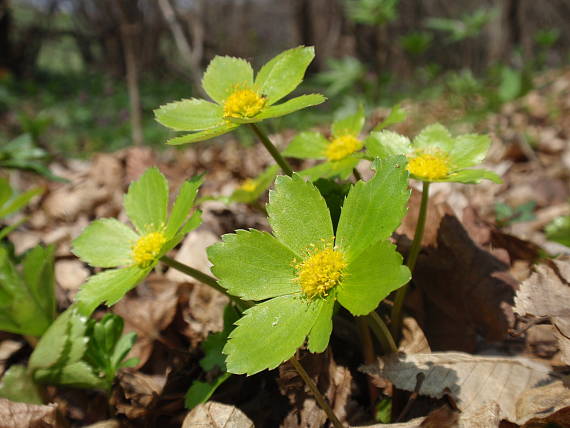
x=248 y=185
x=320 y=271
x=147 y=248
x=243 y=103
x=429 y=166
x=341 y=147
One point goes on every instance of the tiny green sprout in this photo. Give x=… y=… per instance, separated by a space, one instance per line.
x=108 y=243
x=301 y=270
x=340 y=151
x=435 y=155
x=238 y=97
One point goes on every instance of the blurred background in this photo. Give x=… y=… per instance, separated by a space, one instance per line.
x=81 y=76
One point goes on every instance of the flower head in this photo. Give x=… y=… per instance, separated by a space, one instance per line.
x=239 y=98
x=108 y=243
x=306 y=266
x=434 y=155
x=340 y=151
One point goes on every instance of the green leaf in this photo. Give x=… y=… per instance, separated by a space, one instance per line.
x=19 y=202
x=385 y=144
x=298 y=214
x=38 y=273
x=146 y=201
x=108 y=287
x=63 y=343
x=435 y=135
x=182 y=205
x=78 y=374
x=370 y=277
x=17 y=385
x=190 y=115
x=265 y=272
x=285 y=108
x=192 y=223
x=203 y=135
x=6 y=191
x=350 y=125
x=307 y=145
x=262 y=183
x=282 y=74
x=559 y=230
x=321 y=331
x=105 y=243
x=342 y=168
x=397 y=115
x=472 y=176
x=374 y=209
x=200 y=392
x=270 y=333
x=224 y=74
x=469 y=150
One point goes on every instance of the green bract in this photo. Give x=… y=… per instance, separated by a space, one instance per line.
x=109 y=243
x=238 y=97
x=435 y=155
x=340 y=152
x=257 y=266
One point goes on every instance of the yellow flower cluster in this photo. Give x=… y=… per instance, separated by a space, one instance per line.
x=320 y=271
x=147 y=248
x=342 y=146
x=243 y=103
x=429 y=166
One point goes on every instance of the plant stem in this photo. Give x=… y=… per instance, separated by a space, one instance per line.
x=382 y=333
x=318 y=396
x=368 y=354
x=203 y=278
x=397 y=314
x=272 y=149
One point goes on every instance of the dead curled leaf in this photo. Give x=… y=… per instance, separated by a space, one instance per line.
x=474 y=382
x=22 y=415
x=546 y=294
x=216 y=415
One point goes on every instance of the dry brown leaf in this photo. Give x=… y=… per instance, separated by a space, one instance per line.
x=546 y=404
x=22 y=415
x=472 y=381
x=413 y=338
x=546 y=294
x=110 y=423
x=70 y=274
x=193 y=253
x=216 y=415
x=136 y=393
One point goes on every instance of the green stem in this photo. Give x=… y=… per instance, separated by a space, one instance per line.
x=272 y=149
x=382 y=332
x=203 y=278
x=316 y=393
x=397 y=314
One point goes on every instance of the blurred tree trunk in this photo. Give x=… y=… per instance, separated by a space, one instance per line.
x=192 y=56
x=5 y=27
x=126 y=11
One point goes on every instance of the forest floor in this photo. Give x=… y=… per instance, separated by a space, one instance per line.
x=485 y=287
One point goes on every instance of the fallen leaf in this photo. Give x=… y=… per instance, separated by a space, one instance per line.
x=413 y=338
x=216 y=415
x=136 y=393
x=70 y=274
x=22 y=415
x=472 y=381
x=544 y=405
x=193 y=253
x=546 y=294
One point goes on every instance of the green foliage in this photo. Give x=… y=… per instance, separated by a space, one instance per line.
x=457 y=153
x=27 y=299
x=81 y=353
x=18 y=385
x=214 y=361
x=469 y=25
x=109 y=243
x=559 y=230
x=225 y=78
x=22 y=153
x=342 y=74
x=416 y=42
x=505 y=215
x=270 y=332
x=107 y=347
x=10 y=202
x=372 y=12
x=252 y=189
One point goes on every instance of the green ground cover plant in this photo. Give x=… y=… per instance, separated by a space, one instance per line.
x=329 y=249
